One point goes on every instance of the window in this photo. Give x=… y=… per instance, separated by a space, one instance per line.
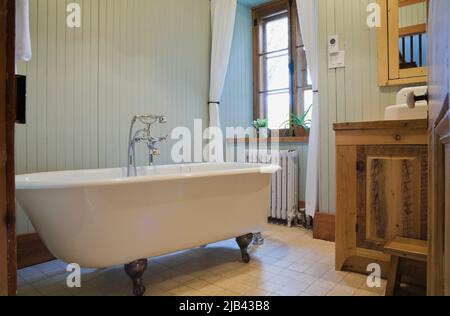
x=282 y=83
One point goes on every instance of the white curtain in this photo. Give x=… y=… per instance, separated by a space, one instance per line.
x=223 y=15
x=307 y=12
x=23 y=42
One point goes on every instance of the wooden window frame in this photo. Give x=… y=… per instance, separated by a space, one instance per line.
x=299 y=74
x=389 y=72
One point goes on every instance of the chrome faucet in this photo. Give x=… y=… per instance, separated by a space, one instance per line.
x=144 y=136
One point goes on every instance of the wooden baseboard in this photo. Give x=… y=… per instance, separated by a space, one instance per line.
x=31 y=251
x=301 y=204
x=324 y=226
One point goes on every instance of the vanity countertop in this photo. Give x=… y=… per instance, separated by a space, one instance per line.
x=382 y=125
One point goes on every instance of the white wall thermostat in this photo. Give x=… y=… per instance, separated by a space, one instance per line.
x=333 y=44
x=336 y=57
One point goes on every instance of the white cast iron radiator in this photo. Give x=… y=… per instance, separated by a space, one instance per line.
x=284 y=196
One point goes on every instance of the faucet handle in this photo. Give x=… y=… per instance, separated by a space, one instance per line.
x=156 y=152
x=163 y=138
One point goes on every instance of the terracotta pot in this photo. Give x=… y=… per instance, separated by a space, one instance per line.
x=301 y=131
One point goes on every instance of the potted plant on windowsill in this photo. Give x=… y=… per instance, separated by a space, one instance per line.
x=262 y=127
x=298 y=126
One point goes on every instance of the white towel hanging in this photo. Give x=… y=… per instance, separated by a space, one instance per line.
x=23 y=41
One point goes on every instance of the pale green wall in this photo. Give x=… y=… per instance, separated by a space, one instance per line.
x=139 y=56
x=350 y=93
x=237 y=101
x=153 y=58
x=412 y=14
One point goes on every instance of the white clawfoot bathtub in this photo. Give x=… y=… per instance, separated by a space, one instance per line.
x=101 y=218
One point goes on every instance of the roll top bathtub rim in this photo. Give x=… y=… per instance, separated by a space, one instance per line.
x=110 y=176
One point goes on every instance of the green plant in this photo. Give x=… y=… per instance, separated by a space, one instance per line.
x=295 y=122
x=261 y=123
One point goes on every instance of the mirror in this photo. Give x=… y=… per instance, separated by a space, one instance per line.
x=412 y=27
x=402 y=42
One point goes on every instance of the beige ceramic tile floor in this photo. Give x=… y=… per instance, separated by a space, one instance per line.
x=290 y=263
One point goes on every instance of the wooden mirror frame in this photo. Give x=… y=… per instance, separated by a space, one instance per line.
x=389 y=72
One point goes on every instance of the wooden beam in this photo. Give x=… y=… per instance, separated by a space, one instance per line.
x=408 y=248
x=346 y=208
x=382 y=125
x=404 y=3
x=412 y=30
x=393 y=36
x=405 y=81
x=382 y=46
x=266 y=9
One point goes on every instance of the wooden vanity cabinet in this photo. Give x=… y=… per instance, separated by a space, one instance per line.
x=382 y=189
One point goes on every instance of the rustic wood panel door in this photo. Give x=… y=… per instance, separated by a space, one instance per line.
x=392 y=194
x=439 y=135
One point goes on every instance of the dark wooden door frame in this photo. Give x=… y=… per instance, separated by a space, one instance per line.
x=8 y=255
x=3 y=203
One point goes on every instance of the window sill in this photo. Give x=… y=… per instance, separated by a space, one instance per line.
x=281 y=140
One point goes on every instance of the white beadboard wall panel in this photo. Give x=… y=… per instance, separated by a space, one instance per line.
x=162 y=71
x=61 y=129
x=413 y=14
x=236 y=107
x=350 y=93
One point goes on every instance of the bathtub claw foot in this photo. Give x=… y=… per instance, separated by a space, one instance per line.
x=243 y=243
x=135 y=271
x=139 y=290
